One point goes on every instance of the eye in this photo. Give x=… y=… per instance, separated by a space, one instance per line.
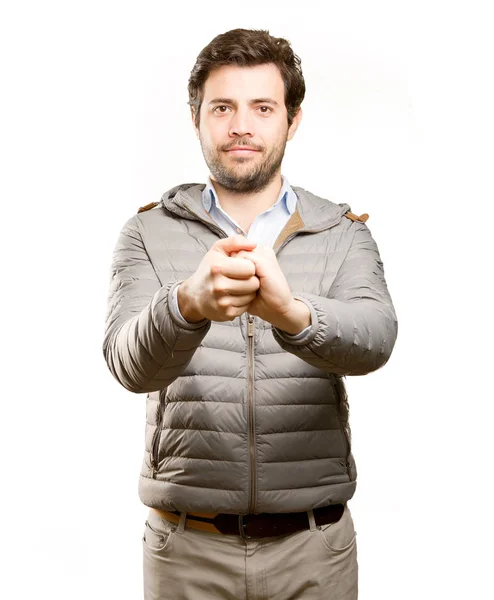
x=269 y=109
x=220 y=106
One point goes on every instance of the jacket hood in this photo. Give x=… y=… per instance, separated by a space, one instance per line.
x=185 y=200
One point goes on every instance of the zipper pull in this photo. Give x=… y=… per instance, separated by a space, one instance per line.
x=250 y=328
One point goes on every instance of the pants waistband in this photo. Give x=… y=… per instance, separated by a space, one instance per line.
x=255 y=525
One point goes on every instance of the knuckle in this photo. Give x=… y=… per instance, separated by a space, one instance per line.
x=219 y=290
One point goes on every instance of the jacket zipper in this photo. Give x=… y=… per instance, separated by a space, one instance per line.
x=155 y=443
x=250 y=337
x=347 y=456
x=343 y=430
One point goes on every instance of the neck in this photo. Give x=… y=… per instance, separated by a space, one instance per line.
x=244 y=208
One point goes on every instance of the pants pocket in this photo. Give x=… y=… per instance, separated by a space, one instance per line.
x=158 y=533
x=340 y=536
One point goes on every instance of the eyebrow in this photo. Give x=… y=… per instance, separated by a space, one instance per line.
x=254 y=101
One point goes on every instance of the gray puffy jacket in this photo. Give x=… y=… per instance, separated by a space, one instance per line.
x=239 y=418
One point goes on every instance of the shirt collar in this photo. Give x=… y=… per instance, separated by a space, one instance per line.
x=286 y=195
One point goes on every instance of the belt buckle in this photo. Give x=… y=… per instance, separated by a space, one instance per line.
x=241 y=528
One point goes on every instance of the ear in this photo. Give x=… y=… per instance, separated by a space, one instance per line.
x=193 y=115
x=295 y=123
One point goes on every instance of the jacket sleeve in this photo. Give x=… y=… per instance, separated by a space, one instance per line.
x=354 y=330
x=146 y=346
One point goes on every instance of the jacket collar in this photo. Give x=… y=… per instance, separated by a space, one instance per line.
x=311 y=214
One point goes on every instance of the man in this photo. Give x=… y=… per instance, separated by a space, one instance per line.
x=238 y=306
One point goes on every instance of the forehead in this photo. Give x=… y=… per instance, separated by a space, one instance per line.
x=244 y=83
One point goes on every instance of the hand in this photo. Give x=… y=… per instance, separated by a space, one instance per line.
x=274 y=301
x=223 y=286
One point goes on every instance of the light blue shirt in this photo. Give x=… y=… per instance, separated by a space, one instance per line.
x=266 y=227
x=264 y=230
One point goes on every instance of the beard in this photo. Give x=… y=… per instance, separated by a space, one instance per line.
x=240 y=177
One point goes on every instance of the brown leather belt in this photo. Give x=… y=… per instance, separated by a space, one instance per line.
x=255 y=526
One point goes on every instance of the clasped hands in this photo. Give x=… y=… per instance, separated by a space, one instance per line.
x=273 y=301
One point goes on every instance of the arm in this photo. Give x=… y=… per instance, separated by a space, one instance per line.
x=353 y=332
x=146 y=346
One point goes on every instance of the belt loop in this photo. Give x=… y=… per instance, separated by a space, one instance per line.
x=312 y=521
x=181 y=523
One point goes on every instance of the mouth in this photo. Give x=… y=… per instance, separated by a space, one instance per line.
x=242 y=151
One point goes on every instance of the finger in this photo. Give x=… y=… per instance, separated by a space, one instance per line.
x=260 y=251
x=228 y=286
x=266 y=251
x=245 y=253
x=235 y=268
x=238 y=301
x=233 y=244
x=253 y=257
x=264 y=265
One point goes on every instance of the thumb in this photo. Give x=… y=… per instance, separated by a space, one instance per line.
x=233 y=244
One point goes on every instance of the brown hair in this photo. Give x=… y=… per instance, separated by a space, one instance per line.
x=248 y=47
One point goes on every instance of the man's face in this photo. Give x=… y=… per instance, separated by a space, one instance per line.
x=244 y=107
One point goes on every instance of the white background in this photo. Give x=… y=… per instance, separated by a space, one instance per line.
x=94 y=124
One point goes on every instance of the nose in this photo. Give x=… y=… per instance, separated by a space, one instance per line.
x=241 y=123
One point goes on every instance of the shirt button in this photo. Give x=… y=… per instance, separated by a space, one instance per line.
x=239 y=230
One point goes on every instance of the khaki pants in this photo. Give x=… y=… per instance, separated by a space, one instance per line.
x=187 y=564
